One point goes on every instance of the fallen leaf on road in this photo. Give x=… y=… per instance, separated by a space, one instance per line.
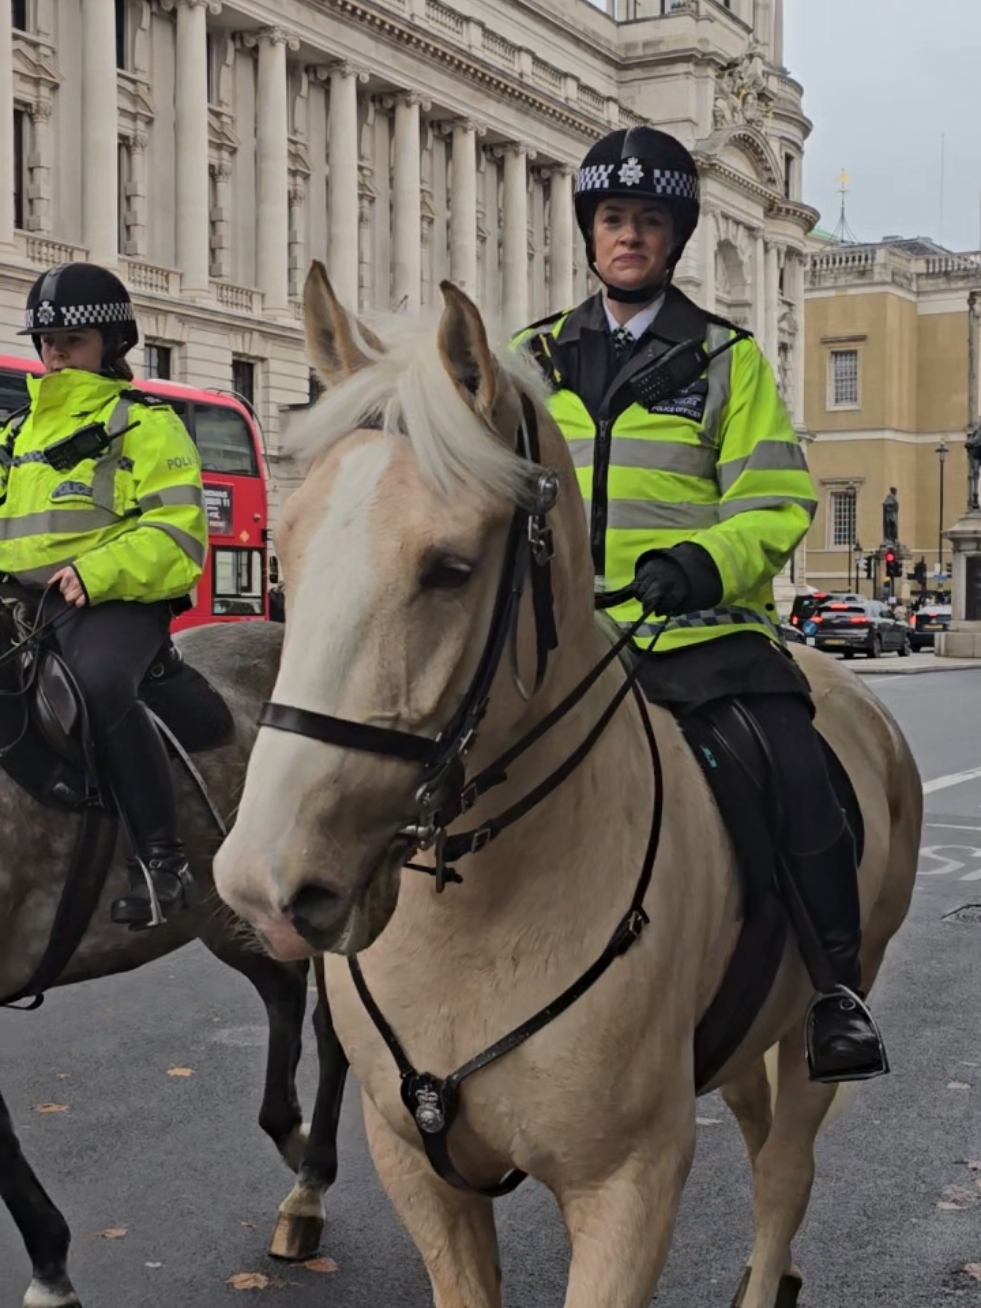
x=249 y=1226
x=153 y=1264
x=971 y=1166
x=180 y=1071
x=957 y=1197
x=973 y=1270
x=114 y=1233
x=50 y=1108
x=707 y=1121
x=61 y=1076
x=322 y=1265
x=958 y=1085
x=250 y=1281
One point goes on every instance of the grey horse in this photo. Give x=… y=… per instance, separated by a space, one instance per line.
x=240 y=661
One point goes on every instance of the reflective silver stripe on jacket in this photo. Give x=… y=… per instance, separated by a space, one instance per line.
x=719 y=382
x=767 y=456
x=194 y=550
x=57 y=522
x=651 y=515
x=730 y=617
x=751 y=502
x=653 y=455
x=104 y=476
x=179 y=495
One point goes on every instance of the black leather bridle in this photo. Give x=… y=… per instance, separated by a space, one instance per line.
x=445 y=793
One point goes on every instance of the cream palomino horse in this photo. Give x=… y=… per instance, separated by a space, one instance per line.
x=393 y=549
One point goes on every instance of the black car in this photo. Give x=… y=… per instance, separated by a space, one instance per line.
x=858 y=626
x=927 y=622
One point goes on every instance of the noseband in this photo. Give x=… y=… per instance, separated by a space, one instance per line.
x=444 y=794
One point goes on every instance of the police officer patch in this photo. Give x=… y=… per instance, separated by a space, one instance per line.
x=688 y=403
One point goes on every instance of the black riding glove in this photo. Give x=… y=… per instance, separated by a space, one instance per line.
x=682 y=579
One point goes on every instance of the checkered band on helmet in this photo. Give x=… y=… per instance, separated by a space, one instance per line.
x=667 y=182
x=50 y=317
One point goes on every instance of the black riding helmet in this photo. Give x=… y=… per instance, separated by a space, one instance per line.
x=639 y=162
x=83 y=295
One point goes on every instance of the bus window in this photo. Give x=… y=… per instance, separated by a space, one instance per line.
x=224 y=440
x=13 y=393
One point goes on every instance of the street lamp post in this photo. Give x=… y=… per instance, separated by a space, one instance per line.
x=941 y=452
x=858 y=556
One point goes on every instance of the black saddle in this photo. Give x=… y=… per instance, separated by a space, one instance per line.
x=45 y=744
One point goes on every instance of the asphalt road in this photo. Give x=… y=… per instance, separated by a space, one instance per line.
x=179 y=1165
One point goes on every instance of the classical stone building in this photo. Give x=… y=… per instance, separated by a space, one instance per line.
x=210 y=148
x=888 y=397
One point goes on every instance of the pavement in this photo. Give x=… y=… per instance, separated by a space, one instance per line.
x=891 y=665
x=170 y=1187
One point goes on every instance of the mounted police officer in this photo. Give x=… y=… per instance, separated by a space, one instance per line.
x=698 y=493
x=102 y=504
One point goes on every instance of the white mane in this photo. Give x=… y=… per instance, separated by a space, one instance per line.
x=409 y=392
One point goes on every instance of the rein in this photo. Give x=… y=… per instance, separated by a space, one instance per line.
x=445 y=794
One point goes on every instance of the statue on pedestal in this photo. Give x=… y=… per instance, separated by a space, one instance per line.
x=890 y=518
x=973 y=447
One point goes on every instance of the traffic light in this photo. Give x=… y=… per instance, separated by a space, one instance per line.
x=893 y=566
x=919 y=573
x=869 y=564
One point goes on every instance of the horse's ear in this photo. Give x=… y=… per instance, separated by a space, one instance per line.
x=465 y=352
x=331 y=343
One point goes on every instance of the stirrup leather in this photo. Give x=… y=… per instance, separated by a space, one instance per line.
x=849 y=1002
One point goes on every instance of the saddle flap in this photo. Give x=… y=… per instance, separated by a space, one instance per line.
x=56 y=707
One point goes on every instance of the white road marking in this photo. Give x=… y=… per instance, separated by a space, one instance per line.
x=954 y=779
x=944 y=826
x=940 y=855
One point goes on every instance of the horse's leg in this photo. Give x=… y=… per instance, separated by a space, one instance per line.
x=453 y=1231
x=620 y=1230
x=44 y=1230
x=300 y=1225
x=782 y=1180
x=282 y=988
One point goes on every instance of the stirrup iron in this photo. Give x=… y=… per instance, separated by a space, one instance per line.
x=849 y=1001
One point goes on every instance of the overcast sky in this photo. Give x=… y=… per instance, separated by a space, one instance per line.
x=882 y=80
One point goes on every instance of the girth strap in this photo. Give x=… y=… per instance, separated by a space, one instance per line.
x=434 y=1101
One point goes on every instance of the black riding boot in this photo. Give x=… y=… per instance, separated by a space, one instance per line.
x=843 y=1041
x=139 y=772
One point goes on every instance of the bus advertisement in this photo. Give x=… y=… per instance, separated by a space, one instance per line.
x=235 y=585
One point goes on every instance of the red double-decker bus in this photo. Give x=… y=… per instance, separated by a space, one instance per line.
x=234 y=586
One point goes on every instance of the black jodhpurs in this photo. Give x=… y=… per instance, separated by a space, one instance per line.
x=108 y=648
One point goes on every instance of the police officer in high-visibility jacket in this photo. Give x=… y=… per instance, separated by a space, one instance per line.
x=101 y=503
x=697 y=493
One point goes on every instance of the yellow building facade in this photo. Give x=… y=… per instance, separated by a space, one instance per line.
x=888 y=365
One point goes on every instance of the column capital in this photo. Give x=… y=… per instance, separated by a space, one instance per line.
x=40 y=111
x=513 y=148
x=343 y=67
x=447 y=126
x=209 y=6
x=270 y=36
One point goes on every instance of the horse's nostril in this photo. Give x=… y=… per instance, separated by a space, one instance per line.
x=316 y=908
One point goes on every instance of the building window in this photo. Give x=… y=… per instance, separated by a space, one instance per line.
x=210 y=57
x=316 y=388
x=122 y=34
x=122 y=180
x=21 y=128
x=843 y=379
x=243 y=380
x=18 y=15
x=157 y=361
x=842 y=517
x=788 y=176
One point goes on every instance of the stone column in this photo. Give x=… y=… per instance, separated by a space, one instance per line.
x=707 y=259
x=191 y=132
x=100 y=168
x=463 y=208
x=406 y=203
x=6 y=132
x=136 y=196
x=760 y=291
x=561 y=294
x=220 y=239
x=342 y=188
x=515 y=248
x=272 y=167
x=771 y=329
x=39 y=167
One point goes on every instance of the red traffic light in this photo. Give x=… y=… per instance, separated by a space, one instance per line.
x=890 y=557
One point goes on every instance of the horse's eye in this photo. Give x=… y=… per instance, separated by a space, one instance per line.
x=445 y=574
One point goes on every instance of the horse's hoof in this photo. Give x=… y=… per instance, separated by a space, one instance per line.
x=295 y=1239
x=60 y=1295
x=787 y=1294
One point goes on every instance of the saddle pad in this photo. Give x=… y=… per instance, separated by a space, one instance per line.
x=186 y=701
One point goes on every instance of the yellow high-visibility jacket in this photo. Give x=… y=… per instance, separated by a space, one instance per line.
x=718 y=463
x=130 y=520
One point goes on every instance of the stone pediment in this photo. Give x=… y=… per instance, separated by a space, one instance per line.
x=744 y=149
x=221 y=130
x=34 y=66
